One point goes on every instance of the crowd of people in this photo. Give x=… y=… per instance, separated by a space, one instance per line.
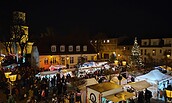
x=33 y=89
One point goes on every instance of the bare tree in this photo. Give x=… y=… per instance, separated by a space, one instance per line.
x=96 y=42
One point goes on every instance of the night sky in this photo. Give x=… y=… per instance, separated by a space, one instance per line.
x=122 y=17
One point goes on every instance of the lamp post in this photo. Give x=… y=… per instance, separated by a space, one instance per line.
x=10 y=79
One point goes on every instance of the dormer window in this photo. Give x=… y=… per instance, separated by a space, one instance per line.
x=84 y=48
x=70 y=48
x=53 y=48
x=62 y=48
x=78 y=48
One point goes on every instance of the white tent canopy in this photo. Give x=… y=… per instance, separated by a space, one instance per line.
x=157 y=79
x=154 y=76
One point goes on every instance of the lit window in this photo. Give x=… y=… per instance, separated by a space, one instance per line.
x=63 y=60
x=85 y=57
x=84 y=48
x=104 y=41
x=53 y=48
x=45 y=61
x=71 y=60
x=54 y=61
x=78 y=48
x=70 y=48
x=92 y=57
x=107 y=41
x=62 y=48
x=95 y=41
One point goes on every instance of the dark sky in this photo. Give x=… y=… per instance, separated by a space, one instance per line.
x=129 y=17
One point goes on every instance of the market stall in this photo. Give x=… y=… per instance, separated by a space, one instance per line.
x=106 y=92
x=88 y=82
x=158 y=80
x=140 y=85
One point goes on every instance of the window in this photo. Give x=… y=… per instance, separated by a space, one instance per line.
x=154 y=43
x=108 y=41
x=53 y=48
x=92 y=57
x=145 y=43
x=145 y=52
x=141 y=52
x=84 y=48
x=85 y=57
x=62 y=48
x=54 y=61
x=45 y=61
x=160 y=51
x=71 y=60
x=63 y=60
x=77 y=48
x=70 y=48
x=79 y=59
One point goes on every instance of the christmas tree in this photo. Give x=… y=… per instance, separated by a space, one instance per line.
x=135 y=59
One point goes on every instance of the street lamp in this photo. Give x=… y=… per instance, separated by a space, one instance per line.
x=11 y=78
x=168 y=55
x=124 y=63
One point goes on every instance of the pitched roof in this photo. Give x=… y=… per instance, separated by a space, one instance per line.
x=44 y=47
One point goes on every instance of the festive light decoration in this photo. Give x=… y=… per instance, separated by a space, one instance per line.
x=135 y=56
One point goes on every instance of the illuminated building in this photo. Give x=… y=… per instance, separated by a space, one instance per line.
x=155 y=49
x=68 y=54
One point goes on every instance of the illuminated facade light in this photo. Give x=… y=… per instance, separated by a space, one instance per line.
x=108 y=41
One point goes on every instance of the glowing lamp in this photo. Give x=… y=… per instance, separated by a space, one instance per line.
x=168 y=93
x=7 y=74
x=116 y=62
x=13 y=78
x=168 y=56
x=124 y=63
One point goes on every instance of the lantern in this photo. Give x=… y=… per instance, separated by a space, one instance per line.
x=7 y=74
x=13 y=78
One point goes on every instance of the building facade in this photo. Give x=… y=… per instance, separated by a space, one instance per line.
x=19 y=35
x=65 y=54
x=156 y=49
